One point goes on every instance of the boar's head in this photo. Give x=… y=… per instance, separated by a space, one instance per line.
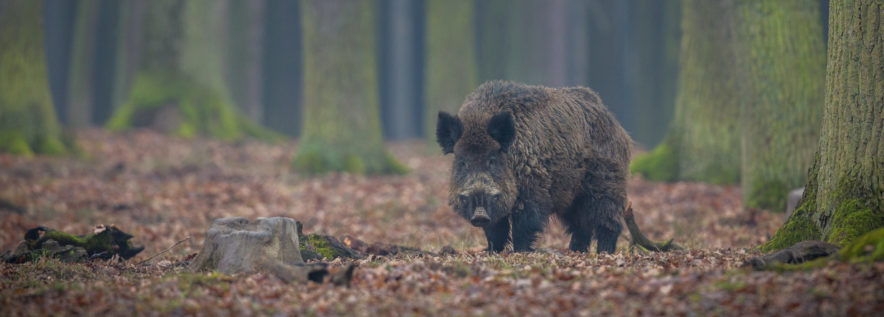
x=483 y=188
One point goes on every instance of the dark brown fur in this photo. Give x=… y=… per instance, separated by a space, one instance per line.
x=565 y=154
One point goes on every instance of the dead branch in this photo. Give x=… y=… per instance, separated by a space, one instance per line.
x=164 y=251
x=639 y=239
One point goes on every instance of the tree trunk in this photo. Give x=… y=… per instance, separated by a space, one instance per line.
x=58 y=26
x=844 y=195
x=654 y=67
x=609 y=47
x=245 y=71
x=82 y=63
x=781 y=66
x=129 y=44
x=703 y=143
x=180 y=87
x=342 y=129
x=450 y=59
x=27 y=118
x=105 y=71
x=283 y=72
x=400 y=41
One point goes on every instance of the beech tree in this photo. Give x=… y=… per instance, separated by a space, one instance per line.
x=703 y=143
x=450 y=58
x=342 y=130
x=781 y=62
x=180 y=86
x=844 y=195
x=27 y=119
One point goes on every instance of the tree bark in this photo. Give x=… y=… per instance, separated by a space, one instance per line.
x=654 y=67
x=245 y=70
x=342 y=129
x=58 y=19
x=283 y=70
x=180 y=86
x=27 y=119
x=400 y=68
x=844 y=195
x=451 y=60
x=781 y=66
x=82 y=64
x=703 y=143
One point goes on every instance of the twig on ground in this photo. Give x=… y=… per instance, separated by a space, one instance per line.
x=164 y=251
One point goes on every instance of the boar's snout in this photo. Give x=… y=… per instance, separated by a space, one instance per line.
x=480 y=207
x=480 y=218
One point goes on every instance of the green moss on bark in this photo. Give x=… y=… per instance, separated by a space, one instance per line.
x=317 y=159
x=27 y=119
x=342 y=130
x=660 y=165
x=179 y=87
x=852 y=220
x=782 y=95
x=866 y=248
x=798 y=228
x=14 y=142
x=195 y=110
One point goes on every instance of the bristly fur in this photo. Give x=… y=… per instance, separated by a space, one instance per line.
x=544 y=151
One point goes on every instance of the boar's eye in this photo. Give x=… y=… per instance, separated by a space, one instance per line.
x=461 y=164
x=463 y=199
x=492 y=160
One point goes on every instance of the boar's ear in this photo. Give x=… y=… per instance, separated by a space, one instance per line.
x=448 y=131
x=502 y=129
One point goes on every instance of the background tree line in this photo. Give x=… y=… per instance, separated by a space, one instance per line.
x=627 y=50
x=733 y=89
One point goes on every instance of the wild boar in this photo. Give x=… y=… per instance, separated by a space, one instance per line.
x=523 y=153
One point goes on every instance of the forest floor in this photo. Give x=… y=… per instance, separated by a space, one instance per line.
x=163 y=190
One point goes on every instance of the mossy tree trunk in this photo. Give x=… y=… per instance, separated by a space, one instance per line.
x=180 y=86
x=282 y=85
x=246 y=52
x=505 y=32
x=781 y=62
x=342 y=129
x=450 y=58
x=59 y=16
x=656 y=35
x=400 y=63
x=91 y=78
x=130 y=27
x=703 y=143
x=82 y=63
x=107 y=74
x=27 y=119
x=844 y=194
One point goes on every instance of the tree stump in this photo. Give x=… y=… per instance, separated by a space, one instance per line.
x=237 y=245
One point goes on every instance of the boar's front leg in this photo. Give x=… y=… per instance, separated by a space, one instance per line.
x=498 y=235
x=527 y=225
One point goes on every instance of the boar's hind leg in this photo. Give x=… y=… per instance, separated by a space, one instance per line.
x=498 y=235
x=526 y=226
x=607 y=239
x=579 y=225
x=605 y=185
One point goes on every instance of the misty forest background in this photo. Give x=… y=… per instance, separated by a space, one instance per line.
x=253 y=61
x=722 y=92
x=160 y=116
